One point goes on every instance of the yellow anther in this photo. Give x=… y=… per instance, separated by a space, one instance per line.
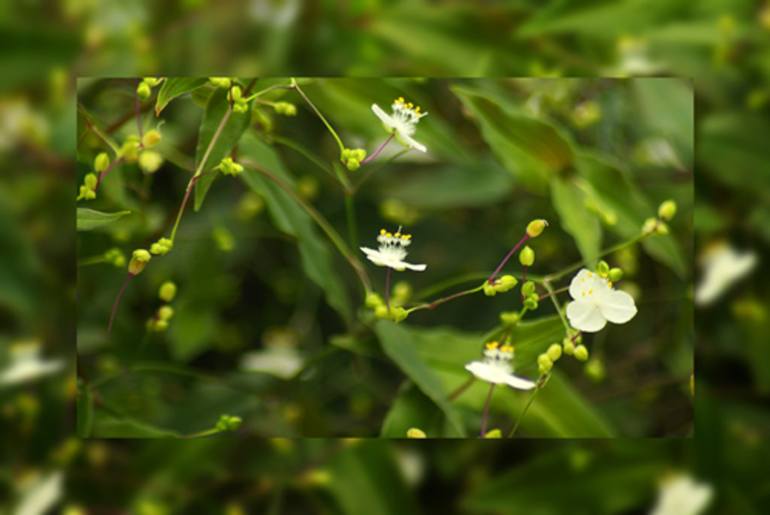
x=492 y=345
x=383 y=232
x=409 y=105
x=507 y=349
x=406 y=236
x=389 y=235
x=417 y=109
x=398 y=235
x=400 y=100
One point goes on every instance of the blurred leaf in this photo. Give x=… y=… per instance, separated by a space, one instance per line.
x=174 y=87
x=85 y=411
x=90 y=219
x=570 y=202
x=365 y=479
x=631 y=208
x=191 y=332
x=290 y=218
x=412 y=408
x=31 y=50
x=108 y=426
x=398 y=344
x=19 y=266
x=216 y=109
x=529 y=148
x=667 y=106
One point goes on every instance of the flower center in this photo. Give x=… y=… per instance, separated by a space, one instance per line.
x=394 y=245
x=406 y=115
x=500 y=356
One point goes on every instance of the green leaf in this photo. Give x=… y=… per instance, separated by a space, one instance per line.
x=412 y=408
x=216 y=109
x=108 y=426
x=630 y=208
x=175 y=87
x=529 y=148
x=85 y=411
x=290 y=218
x=90 y=219
x=398 y=344
x=667 y=107
x=583 y=225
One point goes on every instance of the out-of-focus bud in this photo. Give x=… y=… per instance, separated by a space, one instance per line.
x=414 y=432
x=535 y=227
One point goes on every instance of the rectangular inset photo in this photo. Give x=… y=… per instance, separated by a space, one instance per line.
x=340 y=257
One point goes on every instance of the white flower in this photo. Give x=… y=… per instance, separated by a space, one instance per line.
x=496 y=367
x=392 y=251
x=40 y=494
x=596 y=302
x=681 y=495
x=723 y=266
x=402 y=122
x=279 y=361
x=26 y=365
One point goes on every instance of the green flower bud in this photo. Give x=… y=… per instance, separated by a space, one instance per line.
x=650 y=225
x=150 y=161
x=151 y=138
x=505 y=283
x=531 y=302
x=157 y=325
x=228 y=423
x=101 y=162
x=667 y=210
x=581 y=353
x=616 y=274
x=235 y=94
x=345 y=154
x=240 y=107
x=398 y=313
x=130 y=149
x=115 y=257
x=381 y=311
x=373 y=300
x=152 y=81
x=414 y=432
x=86 y=193
x=494 y=433
x=554 y=352
x=535 y=227
x=353 y=164
x=139 y=260
x=165 y=312
x=285 y=108
x=358 y=154
x=489 y=290
x=568 y=346
x=603 y=268
x=594 y=369
x=509 y=317
x=527 y=256
x=402 y=290
x=162 y=247
x=167 y=291
x=220 y=82
x=661 y=229
x=143 y=90
x=544 y=363
x=91 y=180
x=528 y=288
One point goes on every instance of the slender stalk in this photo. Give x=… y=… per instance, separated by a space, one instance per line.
x=507 y=257
x=94 y=260
x=104 y=173
x=378 y=150
x=116 y=303
x=376 y=167
x=461 y=389
x=295 y=85
x=571 y=268
x=96 y=130
x=524 y=411
x=350 y=215
x=485 y=413
x=266 y=90
x=388 y=275
x=438 y=302
x=555 y=292
x=325 y=226
x=138 y=112
x=338 y=178
x=556 y=304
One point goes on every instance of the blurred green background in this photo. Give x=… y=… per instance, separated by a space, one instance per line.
x=720 y=45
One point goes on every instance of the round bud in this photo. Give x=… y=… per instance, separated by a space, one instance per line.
x=139 y=260
x=535 y=227
x=603 y=268
x=554 y=351
x=398 y=313
x=158 y=325
x=359 y=154
x=345 y=154
x=581 y=353
x=594 y=369
x=509 y=317
x=165 y=312
x=531 y=302
x=143 y=90
x=527 y=256
x=228 y=423
x=568 y=346
x=152 y=81
x=494 y=433
x=661 y=229
x=373 y=300
x=150 y=161
x=235 y=93
x=353 y=164
x=91 y=180
x=167 y=291
x=414 y=432
x=151 y=138
x=489 y=289
x=381 y=311
x=220 y=82
x=505 y=283
x=650 y=225
x=616 y=274
x=528 y=288
x=667 y=210
x=545 y=361
x=101 y=162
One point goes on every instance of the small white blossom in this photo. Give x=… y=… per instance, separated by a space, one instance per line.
x=402 y=122
x=392 y=251
x=682 y=495
x=497 y=367
x=40 y=494
x=596 y=302
x=279 y=361
x=723 y=266
x=26 y=365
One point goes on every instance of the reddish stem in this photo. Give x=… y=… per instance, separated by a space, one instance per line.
x=377 y=151
x=508 y=256
x=116 y=304
x=485 y=415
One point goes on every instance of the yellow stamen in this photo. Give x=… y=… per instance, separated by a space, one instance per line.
x=492 y=345
x=383 y=232
x=507 y=349
x=406 y=237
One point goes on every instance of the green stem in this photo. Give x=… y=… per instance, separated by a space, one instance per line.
x=460 y=389
x=338 y=178
x=485 y=413
x=524 y=411
x=325 y=226
x=571 y=268
x=95 y=260
x=556 y=304
x=266 y=90
x=350 y=215
x=96 y=130
x=295 y=85
x=434 y=304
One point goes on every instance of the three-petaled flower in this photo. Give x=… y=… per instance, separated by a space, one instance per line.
x=392 y=251
x=402 y=122
x=596 y=302
x=497 y=367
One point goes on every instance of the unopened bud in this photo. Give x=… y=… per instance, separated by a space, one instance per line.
x=535 y=227
x=373 y=300
x=414 y=432
x=554 y=351
x=139 y=260
x=91 y=180
x=528 y=288
x=150 y=161
x=167 y=291
x=603 y=268
x=101 y=162
x=228 y=423
x=165 y=312
x=493 y=433
x=220 y=82
x=581 y=353
x=505 y=283
x=667 y=210
x=151 y=138
x=143 y=90
x=489 y=289
x=527 y=256
x=616 y=274
x=509 y=317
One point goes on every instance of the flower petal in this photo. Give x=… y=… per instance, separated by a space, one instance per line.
x=585 y=316
x=383 y=116
x=487 y=372
x=581 y=283
x=411 y=142
x=519 y=383
x=616 y=306
x=416 y=268
x=374 y=256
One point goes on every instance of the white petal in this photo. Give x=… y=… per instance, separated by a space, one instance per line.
x=585 y=316
x=616 y=306
x=581 y=283
x=487 y=372
x=411 y=142
x=383 y=116
x=519 y=383
x=374 y=256
x=416 y=268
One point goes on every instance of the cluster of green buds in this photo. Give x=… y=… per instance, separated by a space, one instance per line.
x=546 y=360
x=144 y=89
x=159 y=322
x=221 y=82
x=352 y=157
x=666 y=212
x=150 y=160
x=613 y=275
x=502 y=284
x=90 y=181
x=529 y=295
x=139 y=260
x=285 y=108
x=228 y=423
x=162 y=247
x=572 y=345
x=115 y=257
x=229 y=167
x=396 y=312
x=235 y=96
x=129 y=151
